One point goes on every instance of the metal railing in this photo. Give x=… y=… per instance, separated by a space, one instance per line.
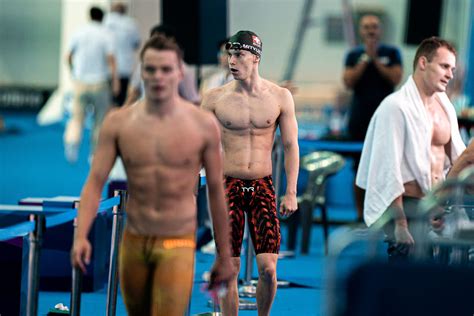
x=33 y=230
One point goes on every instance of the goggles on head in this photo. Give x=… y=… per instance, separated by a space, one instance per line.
x=233 y=45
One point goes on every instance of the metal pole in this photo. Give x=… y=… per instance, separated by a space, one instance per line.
x=76 y=290
x=348 y=23
x=305 y=21
x=35 y=240
x=117 y=228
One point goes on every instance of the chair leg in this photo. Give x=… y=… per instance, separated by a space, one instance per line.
x=324 y=220
x=293 y=223
x=306 y=223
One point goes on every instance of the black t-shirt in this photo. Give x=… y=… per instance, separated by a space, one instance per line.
x=371 y=88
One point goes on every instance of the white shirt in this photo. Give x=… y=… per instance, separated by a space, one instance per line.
x=90 y=47
x=126 y=39
x=217 y=79
x=397 y=149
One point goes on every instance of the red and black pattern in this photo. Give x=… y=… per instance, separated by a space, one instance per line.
x=257 y=199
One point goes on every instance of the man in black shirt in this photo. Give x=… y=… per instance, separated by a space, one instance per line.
x=372 y=70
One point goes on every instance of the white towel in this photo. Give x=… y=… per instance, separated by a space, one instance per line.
x=397 y=149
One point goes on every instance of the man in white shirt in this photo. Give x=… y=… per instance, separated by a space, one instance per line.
x=91 y=58
x=126 y=38
x=222 y=75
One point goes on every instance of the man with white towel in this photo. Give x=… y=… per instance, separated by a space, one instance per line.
x=412 y=141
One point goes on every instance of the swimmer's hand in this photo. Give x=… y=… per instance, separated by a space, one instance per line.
x=221 y=273
x=288 y=205
x=403 y=238
x=437 y=220
x=81 y=254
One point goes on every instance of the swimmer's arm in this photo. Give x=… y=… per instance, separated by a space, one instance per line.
x=104 y=158
x=466 y=159
x=397 y=212
x=212 y=160
x=289 y=137
x=401 y=232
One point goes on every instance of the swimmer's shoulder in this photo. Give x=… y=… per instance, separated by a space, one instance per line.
x=216 y=95
x=276 y=89
x=118 y=115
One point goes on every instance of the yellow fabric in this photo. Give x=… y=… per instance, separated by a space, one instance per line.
x=156 y=274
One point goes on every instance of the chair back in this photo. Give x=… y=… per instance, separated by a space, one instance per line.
x=320 y=165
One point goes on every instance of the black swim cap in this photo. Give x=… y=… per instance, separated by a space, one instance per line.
x=245 y=40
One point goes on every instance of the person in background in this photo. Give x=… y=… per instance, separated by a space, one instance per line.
x=91 y=59
x=222 y=75
x=126 y=38
x=372 y=71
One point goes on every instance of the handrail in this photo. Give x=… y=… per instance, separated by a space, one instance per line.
x=109 y=203
x=59 y=219
x=22 y=229
x=17 y=230
x=34 y=228
x=6 y=208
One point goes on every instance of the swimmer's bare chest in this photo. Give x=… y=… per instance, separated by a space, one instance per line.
x=441 y=136
x=247 y=113
x=440 y=139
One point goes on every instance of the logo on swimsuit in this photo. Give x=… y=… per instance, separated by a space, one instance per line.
x=248 y=189
x=178 y=243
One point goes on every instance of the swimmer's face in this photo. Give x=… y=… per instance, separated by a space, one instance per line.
x=439 y=71
x=241 y=63
x=161 y=73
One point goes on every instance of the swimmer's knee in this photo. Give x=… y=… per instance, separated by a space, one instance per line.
x=267 y=273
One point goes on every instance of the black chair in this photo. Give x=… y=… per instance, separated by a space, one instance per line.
x=319 y=165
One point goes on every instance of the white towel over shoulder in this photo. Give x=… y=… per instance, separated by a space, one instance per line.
x=397 y=149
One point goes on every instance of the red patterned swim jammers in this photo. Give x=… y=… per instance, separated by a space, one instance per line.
x=257 y=199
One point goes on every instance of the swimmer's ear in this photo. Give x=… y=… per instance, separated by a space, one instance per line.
x=422 y=62
x=256 y=59
x=181 y=69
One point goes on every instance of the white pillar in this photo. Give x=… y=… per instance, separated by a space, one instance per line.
x=147 y=13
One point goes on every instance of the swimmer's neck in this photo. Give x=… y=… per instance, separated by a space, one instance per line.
x=161 y=108
x=250 y=85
